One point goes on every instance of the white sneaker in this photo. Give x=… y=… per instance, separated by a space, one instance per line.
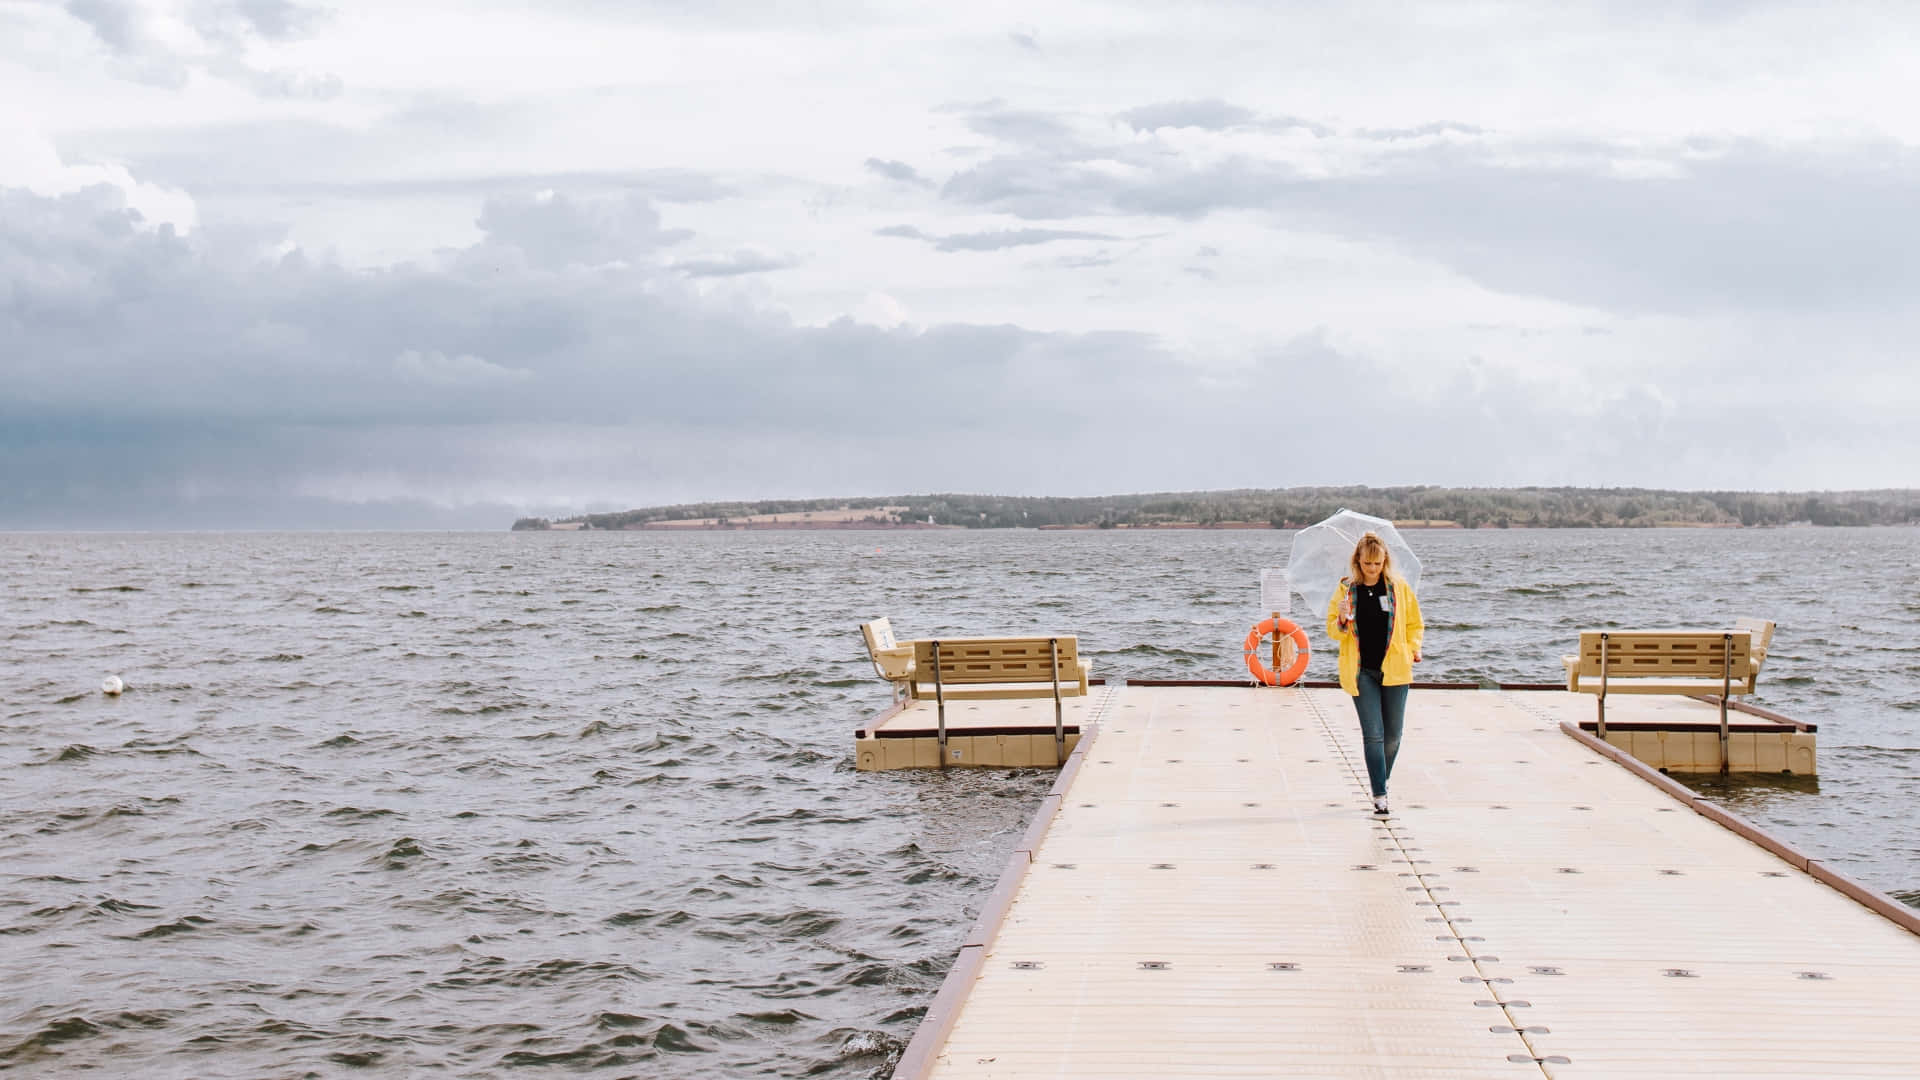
x=1379 y=804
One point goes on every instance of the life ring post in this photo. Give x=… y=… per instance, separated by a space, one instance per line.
x=1285 y=632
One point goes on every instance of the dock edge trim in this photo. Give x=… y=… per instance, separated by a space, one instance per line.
x=923 y=1050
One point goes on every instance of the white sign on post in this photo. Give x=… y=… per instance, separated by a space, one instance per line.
x=1276 y=592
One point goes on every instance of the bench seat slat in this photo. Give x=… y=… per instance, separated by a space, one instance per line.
x=1618 y=685
x=1069 y=687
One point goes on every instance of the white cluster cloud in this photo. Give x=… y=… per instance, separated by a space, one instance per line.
x=165 y=42
x=29 y=161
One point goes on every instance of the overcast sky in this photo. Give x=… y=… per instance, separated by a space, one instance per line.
x=439 y=262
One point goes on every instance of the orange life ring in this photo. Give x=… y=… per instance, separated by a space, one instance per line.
x=1261 y=673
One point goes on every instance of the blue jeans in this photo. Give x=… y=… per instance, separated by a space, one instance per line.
x=1383 y=715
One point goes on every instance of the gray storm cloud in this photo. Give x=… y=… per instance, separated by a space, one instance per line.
x=562 y=359
x=143 y=364
x=1544 y=246
x=556 y=230
x=216 y=40
x=1211 y=115
x=734 y=264
x=428 y=283
x=898 y=171
x=992 y=240
x=556 y=356
x=1677 y=229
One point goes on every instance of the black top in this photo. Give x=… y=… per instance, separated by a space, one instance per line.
x=1371 y=622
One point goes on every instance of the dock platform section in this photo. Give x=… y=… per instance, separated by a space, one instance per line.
x=1019 y=732
x=1206 y=894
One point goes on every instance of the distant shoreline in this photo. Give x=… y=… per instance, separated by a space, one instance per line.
x=1161 y=526
x=1290 y=508
x=772 y=526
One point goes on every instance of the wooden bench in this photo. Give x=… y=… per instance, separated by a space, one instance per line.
x=980 y=668
x=1649 y=664
x=977 y=667
x=1718 y=662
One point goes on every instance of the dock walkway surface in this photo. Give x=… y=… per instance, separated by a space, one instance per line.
x=1207 y=894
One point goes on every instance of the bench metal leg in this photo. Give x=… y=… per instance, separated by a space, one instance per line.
x=1726 y=688
x=1600 y=724
x=1059 y=723
x=940 y=706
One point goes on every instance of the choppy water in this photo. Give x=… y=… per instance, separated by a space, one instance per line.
x=452 y=804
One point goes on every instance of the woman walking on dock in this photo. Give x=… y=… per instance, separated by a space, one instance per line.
x=1375 y=617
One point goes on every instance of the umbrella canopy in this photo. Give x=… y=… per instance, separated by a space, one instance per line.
x=1321 y=555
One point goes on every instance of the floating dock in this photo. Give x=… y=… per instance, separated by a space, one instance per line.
x=978 y=732
x=1207 y=894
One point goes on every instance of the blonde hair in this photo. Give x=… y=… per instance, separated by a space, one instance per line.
x=1370 y=544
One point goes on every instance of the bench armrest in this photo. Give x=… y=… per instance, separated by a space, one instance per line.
x=894 y=664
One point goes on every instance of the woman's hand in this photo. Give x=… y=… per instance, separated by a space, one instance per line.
x=1416 y=656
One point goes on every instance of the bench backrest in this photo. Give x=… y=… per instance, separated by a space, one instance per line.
x=997 y=660
x=879 y=635
x=1760 y=635
x=1695 y=654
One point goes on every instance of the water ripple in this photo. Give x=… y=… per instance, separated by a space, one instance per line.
x=461 y=803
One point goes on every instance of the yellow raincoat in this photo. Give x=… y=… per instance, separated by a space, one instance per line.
x=1405 y=632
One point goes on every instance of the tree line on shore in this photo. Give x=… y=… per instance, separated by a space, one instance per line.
x=1532 y=507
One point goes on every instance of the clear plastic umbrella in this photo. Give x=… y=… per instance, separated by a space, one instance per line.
x=1322 y=554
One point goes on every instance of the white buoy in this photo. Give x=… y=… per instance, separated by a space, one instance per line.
x=111 y=686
